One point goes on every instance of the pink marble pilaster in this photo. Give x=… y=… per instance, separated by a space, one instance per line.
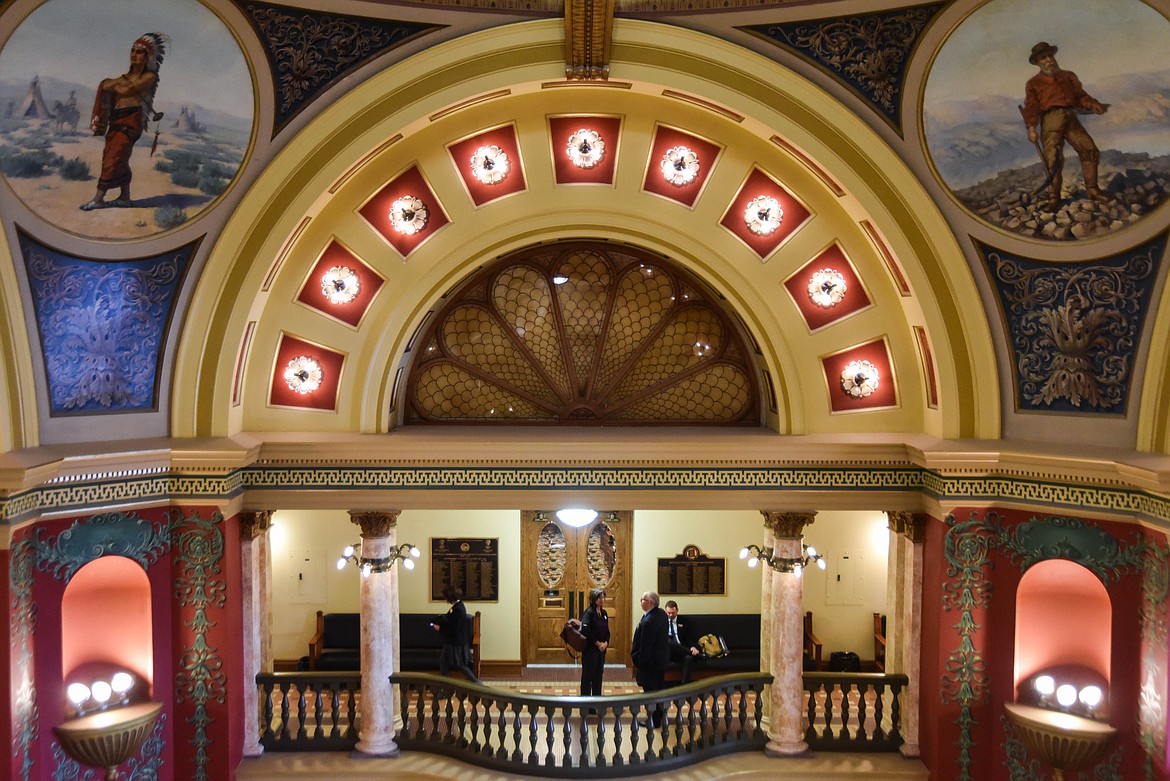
x=786 y=733
x=253 y=551
x=766 y=624
x=909 y=633
x=377 y=705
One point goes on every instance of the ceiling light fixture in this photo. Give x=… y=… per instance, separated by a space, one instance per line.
x=755 y=554
x=303 y=374
x=576 y=517
x=408 y=215
x=340 y=285
x=406 y=553
x=859 y=379
x=680 y=166
x=489 y=164
x=763 y=215
x=826 y=288
x=586 y=148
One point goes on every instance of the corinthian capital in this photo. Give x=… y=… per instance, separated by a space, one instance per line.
x=787 y=523
x=375 y=523
x=254 y=524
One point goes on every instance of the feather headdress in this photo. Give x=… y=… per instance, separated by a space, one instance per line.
x=155 y=46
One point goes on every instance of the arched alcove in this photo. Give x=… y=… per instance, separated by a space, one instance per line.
x=106 y=622
x=1063 y=619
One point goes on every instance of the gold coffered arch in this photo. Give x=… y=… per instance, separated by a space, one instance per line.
x=860 y=196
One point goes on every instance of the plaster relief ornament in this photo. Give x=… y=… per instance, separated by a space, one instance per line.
x=859 y=379
x=489 y=164
x=303 y=374
x=408 y=215
x=680 y=166
x=763 y=215
x=826 y=288
x=340 y=285
x=586 y=148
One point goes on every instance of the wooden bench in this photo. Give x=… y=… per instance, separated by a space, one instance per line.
x=336 y=645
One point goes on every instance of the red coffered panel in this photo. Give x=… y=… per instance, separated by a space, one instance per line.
x=562 y=129
x=462 y=152
x=376 y=212
x=314 y=292
x=327 y=361
x=817 y=274
x=869 y=357
x=665 y=139
x=759 y=184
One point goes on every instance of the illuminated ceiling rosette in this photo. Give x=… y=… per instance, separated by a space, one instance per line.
x=614 y=343
x=859 y=379
x=586 y=148
x=763 y=215
x=340 y=285
x=408 y=215
x=490 y=164
x=303 y=374
x=826 y=287
x=680 y=166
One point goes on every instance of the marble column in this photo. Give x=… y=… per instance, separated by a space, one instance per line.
x=766 y=624
x=254 y=580
x=786 y=728
x=909 y=530
x=376 y=706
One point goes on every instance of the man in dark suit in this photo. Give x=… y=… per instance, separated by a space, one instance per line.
x=678 y=635
x=650 y=650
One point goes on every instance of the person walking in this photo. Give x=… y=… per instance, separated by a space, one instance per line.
x=650 y=650
x=456 y=650
x=595 y=627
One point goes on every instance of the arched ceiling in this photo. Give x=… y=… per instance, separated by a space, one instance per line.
x=754 y=121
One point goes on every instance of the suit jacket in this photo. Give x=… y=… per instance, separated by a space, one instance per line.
x=651 y=648
x=682 y=647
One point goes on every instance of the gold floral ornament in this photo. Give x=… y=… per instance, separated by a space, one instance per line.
x=340 y=284
x=826 y=288
x=490 y=164
x=586 y=148
x=763 y=215
x=303 y=374
x=859 y=379
x=680 y=166
x=408 y=215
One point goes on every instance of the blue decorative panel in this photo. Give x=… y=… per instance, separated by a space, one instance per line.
x=1074 y=327
x=867 y=52
x=102 y=325
x=310 y=51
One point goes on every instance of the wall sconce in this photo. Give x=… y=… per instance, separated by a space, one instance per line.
x=108 y=739
x=1072 y=694
x=99 y=695
x=781 y=563
x=406 y=553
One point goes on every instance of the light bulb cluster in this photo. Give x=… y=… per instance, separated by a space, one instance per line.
x=1066 y=696
x=406 y=553
x=489 y=164
x=101 y=694
x=680 y=166
x=303 y=374
x=794 y=565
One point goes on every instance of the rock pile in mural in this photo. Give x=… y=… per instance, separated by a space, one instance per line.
x=1135 y=183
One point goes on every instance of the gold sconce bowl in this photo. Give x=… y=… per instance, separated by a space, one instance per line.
x=1062 y=740
x=109 y=738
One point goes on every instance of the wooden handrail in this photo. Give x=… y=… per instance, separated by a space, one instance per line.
x=812 y=644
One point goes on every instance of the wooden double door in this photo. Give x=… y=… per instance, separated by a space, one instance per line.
x=560 y=564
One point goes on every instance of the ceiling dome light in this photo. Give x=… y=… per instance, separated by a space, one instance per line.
x=826 y=287
x=576 y=517
x=763 y=215
x=489 y=164
x=680 y=166
x=303 y=374
x=408 y=215
x=859 y=379
x=340 y=285
x=586 y=148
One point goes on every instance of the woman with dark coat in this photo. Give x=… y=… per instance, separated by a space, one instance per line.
x=456 y=644
x=595 y=627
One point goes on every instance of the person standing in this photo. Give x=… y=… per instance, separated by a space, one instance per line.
x=678 y=636
x=595 y=627
x=456 y=650
x=1052 y=99
x=650 y=650
x=121 y=110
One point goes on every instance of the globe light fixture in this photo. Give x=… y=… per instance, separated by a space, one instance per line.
x=340 y=285
x=586 y=148
x=680 y=166
x=408 y=215
x=826 y=288
x=489 y=164
x=859 y=379
x=303 y=374
x=763 y=215
x=352 y=554
x=792 y=565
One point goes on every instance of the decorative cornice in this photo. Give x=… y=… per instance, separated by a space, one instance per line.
x=787 y=524
x=375 y=523
x=254 y=524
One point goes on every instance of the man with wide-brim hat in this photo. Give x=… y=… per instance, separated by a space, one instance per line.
x=1053 y=98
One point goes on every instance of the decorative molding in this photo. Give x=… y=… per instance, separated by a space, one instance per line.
x=1074 y=328
x=907 y=524
x=198 y=554
x=255 y=524
x=308 y=52
x=787 y=524
x=375 y=523
x=588 y=39
x=108 y=534
x=21 y=627
x=868 y=53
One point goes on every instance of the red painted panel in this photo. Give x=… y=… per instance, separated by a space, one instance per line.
x=666 y=138
x=376 y=211
x=758 y=183
x=560 y=129
x=876 y=353
x=462 y=152
x=369 y=282
x=325 y=397
x=817 y=316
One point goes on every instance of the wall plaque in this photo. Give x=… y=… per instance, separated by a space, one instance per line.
x=469 y=563
x=691 y=572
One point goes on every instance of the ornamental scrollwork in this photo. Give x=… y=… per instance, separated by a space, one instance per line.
x=108 y=534
x=22 y=625
x=1074 y=328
